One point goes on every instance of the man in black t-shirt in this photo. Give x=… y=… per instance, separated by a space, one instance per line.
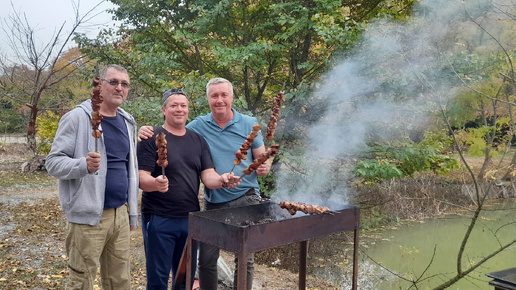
x=167 y=200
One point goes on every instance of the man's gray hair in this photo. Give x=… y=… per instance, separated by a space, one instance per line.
x=218 y=81
x=113 y=66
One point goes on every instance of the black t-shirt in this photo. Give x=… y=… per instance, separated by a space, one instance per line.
x=188 y=156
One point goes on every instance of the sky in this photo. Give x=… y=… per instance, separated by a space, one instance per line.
x=48 y=16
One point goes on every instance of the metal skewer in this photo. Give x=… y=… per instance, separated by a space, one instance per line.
x=96 y=150
x=241 y=176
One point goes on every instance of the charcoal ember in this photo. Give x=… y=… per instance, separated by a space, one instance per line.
x=258 y=222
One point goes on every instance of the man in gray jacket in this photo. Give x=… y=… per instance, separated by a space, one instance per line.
x=98 y=191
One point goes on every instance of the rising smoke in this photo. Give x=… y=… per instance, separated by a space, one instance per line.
x=399 y=74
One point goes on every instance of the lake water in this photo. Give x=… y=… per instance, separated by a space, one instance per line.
x=431 y=247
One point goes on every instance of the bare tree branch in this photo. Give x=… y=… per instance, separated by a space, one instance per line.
x=39 y=62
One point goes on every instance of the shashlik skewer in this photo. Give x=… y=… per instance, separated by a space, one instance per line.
x=271 y=126
x=261 y=159
x=161 y=143
x=96 y=116
x=293 y=207
x=241 y=154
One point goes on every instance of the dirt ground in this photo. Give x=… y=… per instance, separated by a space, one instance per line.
x=32 y=228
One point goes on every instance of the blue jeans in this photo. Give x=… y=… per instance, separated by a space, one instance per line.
x=164 y=240
x=208 y=254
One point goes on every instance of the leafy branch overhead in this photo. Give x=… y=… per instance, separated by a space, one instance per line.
x=259 y=45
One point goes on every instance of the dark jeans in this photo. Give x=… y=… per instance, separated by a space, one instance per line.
x=164 y=240
x=208 y=254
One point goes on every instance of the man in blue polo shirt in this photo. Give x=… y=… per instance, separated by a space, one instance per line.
x=225 y=130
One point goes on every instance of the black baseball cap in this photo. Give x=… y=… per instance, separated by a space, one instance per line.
x=171 y=92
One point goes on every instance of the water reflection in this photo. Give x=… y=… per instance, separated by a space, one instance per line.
x=431 y=247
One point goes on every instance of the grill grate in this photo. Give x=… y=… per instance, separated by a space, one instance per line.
x=252 y=228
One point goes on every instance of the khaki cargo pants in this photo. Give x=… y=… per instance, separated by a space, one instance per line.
x=106 y=245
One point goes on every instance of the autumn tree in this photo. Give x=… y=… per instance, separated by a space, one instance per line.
x=33 y=74
x=261 y=46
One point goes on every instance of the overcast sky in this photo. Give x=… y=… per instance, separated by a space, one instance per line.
x=48 y=16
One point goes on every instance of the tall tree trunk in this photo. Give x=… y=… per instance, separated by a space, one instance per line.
x=31 y=132
x=485 y=165
x=510 y=90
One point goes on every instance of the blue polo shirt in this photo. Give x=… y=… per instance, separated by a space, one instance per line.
x=224 y=143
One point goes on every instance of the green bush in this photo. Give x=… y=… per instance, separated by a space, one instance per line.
x=267 y=184
x=387 y=161
x=47 y=126
x=10 y=121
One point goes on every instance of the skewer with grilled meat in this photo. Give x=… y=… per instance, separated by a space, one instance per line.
x=161 y=143
x=293 y=207
x=271 y=126
x=96 y=116
x=261 y=159
x=241 y=154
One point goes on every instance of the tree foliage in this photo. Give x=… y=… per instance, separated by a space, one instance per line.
x=261 y=46
x=399 y=159
x=10 y=119
x=47 y=126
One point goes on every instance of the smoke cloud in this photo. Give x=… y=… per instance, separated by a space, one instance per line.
x=388 y=84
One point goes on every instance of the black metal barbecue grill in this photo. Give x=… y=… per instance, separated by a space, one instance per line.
x=248 y=229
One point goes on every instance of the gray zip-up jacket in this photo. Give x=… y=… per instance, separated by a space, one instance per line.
x=81 y=193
